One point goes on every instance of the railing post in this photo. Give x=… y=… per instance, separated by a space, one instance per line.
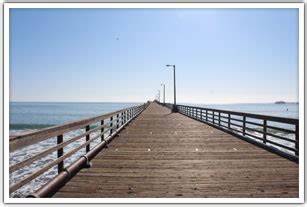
x=201 y=114
x=60 y=153
x=111 y=125
x=228 y=121
x=297 y=139
x=219 y=118
x=264 y=131
x=244 y=125
x=102 y=130
x=122 y=119
x=87 y=128
x=206 y=115
x=213 y=112
x=117 y=121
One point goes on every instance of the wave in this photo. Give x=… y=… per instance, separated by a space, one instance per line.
x=28 y=126
x=31 y=150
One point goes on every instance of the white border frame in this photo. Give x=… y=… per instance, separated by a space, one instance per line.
x=299 y=6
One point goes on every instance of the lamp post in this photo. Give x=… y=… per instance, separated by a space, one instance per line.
x=174 y=109
x=159 y=95
x=163 y=93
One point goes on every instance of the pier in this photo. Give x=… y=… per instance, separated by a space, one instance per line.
x=152 y=152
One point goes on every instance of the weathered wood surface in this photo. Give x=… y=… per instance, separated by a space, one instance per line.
x=162 y=154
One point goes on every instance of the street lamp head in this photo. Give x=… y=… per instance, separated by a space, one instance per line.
x=170 y=65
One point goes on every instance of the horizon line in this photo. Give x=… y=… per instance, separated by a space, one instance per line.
x=273 y=102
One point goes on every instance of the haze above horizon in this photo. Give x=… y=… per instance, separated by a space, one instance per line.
x=119 y=55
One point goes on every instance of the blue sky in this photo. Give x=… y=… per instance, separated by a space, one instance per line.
x=221 y=55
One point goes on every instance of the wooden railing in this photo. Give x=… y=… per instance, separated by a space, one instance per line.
x=109 y=123
x=271 y=131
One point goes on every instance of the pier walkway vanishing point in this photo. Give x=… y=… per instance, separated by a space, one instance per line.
x=164 y=154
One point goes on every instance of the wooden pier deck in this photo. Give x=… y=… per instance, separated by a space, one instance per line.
x=164 y=154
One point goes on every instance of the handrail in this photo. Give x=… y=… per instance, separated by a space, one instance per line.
x=241 y=125
x=110 y=123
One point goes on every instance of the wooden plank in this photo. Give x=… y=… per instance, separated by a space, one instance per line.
x=164 y=154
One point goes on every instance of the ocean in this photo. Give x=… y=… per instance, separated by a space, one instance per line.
x=29 y=116
x=288 y=110
x=36 y=115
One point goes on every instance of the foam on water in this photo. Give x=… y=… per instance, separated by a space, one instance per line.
x=29 y=151
x=273 y=139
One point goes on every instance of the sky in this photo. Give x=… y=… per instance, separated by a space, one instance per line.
x=119 y=55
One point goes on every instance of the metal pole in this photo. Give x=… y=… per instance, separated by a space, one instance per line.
x=163 y=93
x=174 y=85
x=174 y=109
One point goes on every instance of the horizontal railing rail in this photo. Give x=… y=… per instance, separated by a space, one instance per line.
x=106 y=125
x=277 y=133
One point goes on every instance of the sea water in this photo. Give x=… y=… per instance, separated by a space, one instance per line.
x=30 y=116
x=288 y=110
